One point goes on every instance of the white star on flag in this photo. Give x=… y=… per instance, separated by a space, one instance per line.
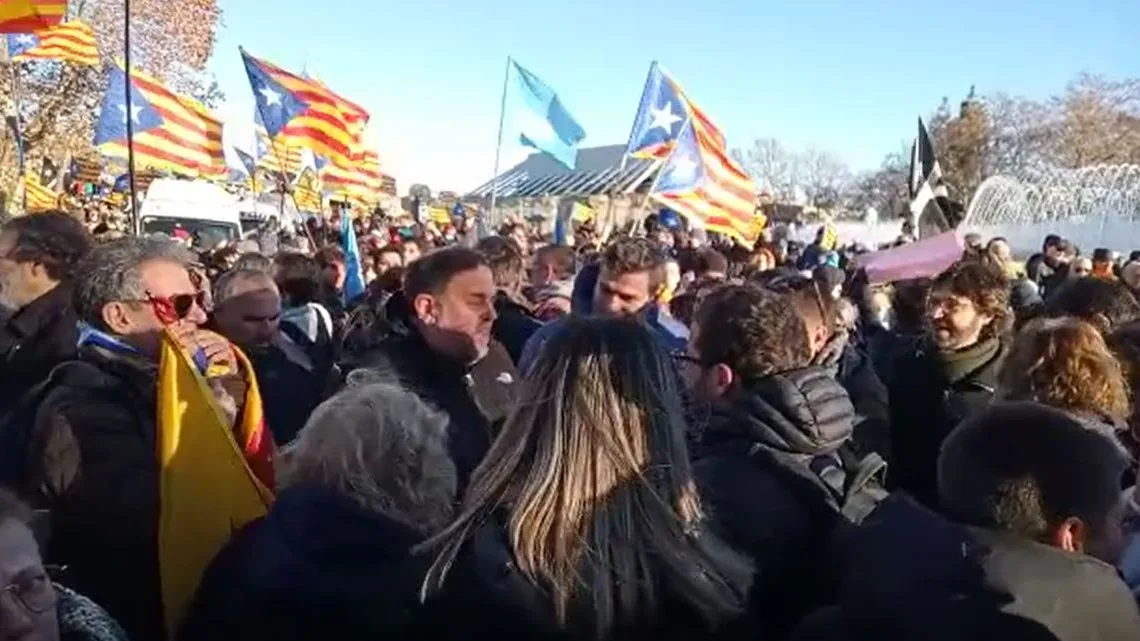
x=135 y=111
x=664 y=118
x=271 y=97
x=25 y=40
x=683 y=170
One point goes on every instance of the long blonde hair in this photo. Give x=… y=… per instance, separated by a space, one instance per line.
x=593 y=473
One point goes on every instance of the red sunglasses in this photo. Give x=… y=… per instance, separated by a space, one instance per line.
x=170 y=309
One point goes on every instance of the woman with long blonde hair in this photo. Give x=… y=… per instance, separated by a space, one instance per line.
x=1065 y=363
x=583 y=520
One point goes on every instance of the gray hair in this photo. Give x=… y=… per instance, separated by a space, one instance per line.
x=382 y=447
x=226 y=284
x=112 y=272
x=255 y=261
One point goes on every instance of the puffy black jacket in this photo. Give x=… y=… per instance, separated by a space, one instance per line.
x=475 y=397
x=911 y=575
x=925 y=407
x=752 y=469
x=318 y=566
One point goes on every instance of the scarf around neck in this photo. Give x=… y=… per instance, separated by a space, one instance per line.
x=958 y=364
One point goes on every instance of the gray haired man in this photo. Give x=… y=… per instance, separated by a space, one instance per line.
x=90 y=439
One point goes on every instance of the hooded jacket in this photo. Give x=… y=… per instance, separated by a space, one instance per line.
x=911 y=575
x=752 y=469
x=475 y=396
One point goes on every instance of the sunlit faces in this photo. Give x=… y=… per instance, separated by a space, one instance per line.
x=955 y=321
x=622 y=295
x=458 y=320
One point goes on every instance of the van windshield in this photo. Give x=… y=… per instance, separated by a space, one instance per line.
x=203 y=234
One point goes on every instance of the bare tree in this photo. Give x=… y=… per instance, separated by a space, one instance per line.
x=824 y=178
x=774 y=168
x=885 y=188
x=1021 y=133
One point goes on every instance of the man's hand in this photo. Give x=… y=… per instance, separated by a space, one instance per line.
x=219 y=354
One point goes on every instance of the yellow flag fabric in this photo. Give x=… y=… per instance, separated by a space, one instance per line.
x=207 y=490
x=440 y=215
x=38 y=197
x=582 y=213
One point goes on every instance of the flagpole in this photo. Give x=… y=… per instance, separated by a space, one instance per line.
x=633 y=127
x=130 y=113
x=499 y=140
x=17 y=120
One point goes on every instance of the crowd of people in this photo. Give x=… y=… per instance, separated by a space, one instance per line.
x=651 y=437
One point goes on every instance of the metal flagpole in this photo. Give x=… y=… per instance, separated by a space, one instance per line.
x=665 y=162
x=499 y=140
x=17 y=121
x=130 y=115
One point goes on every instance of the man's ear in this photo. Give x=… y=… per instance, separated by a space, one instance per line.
x=1070 y=536
x=116 y=317
x=723 y=379
x=426 y=309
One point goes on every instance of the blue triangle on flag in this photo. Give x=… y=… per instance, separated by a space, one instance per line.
x=112 y=123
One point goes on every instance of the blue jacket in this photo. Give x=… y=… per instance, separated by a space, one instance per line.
x=673 y=335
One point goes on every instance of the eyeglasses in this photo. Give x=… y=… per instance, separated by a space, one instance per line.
x=171 y=309
x=683 y=358
x=34 y=593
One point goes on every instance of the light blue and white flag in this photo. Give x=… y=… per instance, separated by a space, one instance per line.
x=539 y=117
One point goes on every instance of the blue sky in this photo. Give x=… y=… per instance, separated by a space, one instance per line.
x=848 y=76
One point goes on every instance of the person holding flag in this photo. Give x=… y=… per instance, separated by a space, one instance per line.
x=149 y=448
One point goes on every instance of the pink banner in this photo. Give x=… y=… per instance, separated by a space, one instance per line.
x=921 y=259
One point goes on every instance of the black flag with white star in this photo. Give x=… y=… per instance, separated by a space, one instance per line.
x=928 y=193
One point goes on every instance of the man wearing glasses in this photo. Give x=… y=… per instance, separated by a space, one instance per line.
x=38 y=255
x=91 y=441
x=951 y=374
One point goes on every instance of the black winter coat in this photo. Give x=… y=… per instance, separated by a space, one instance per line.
x=486 y=597
x=33 y=341
x=475 y=397
x=752 y=471
x=856 y=373
x=513 y=326
x=291 y=386
x=318 y=566
x=925 y=407
x=911 y=575
x=92 y=463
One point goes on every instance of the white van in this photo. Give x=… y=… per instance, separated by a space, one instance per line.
x=203 y=211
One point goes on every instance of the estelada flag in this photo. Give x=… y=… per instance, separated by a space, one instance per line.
x=213 y=480
x=26 y=16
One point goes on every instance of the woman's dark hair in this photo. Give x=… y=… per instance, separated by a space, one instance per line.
x=591 y=477
x=1104 y=303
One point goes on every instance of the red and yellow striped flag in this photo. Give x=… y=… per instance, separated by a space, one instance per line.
x=72 y=41
x=28 y=16
x=702 y=182
x=37 y=197
x=361 y=181
x=330 y=125
x=212 y=479
x=278 y=155
x=188 y=141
